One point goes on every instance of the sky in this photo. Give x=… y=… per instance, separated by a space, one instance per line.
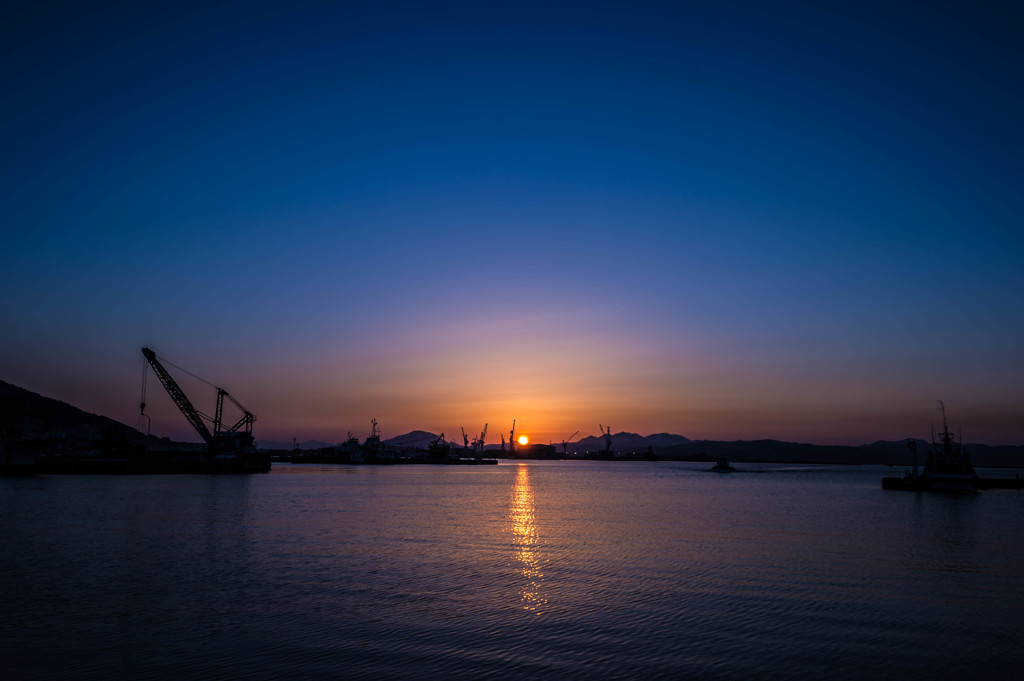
x=727 y=220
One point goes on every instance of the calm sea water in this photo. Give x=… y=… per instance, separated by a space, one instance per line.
x=547 y=570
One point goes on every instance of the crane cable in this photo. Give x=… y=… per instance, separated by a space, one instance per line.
x=143 y=416
x=184 y=370
x=203 y=380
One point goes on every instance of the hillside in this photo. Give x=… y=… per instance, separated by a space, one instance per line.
x=419 y=439
x=25 y=414
x=628 y=442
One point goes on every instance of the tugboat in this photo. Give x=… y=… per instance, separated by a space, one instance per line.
x=723 y=466
x=948 y=469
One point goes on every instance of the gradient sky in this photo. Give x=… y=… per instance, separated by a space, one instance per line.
x=727 y=220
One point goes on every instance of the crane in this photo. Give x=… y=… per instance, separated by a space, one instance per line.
x=439 y=448
x=478 y=444
x=465 y=439
x=223 y=440
x=565 y=443
x=607 y=438
x=512 y=438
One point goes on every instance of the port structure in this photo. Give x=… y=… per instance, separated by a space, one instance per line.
x=606 y=433
x=565 y=443
x=478 y=443
x=235 y=439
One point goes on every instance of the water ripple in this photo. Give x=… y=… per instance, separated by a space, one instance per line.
x=521 y=571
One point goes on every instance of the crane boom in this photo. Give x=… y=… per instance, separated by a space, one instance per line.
x=178 y=395
x=565 y=442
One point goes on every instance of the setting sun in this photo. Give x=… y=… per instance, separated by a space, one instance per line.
x=523 y=439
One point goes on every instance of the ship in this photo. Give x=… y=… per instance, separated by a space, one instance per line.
x=948 y=467
x=723 y=466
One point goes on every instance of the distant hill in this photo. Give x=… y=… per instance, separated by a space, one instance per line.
x=628 y=442
x=983 y=455
x=419 y=439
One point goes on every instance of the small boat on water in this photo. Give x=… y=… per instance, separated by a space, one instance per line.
x=948 y=469
x=723 y=466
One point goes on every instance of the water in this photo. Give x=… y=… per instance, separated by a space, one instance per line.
x=543 y=570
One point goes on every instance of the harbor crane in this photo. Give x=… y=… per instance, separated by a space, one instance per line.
x=439 y=448
x=235 y=439
x=465 y=439
x=607 y=435
x=512 y=438
x=478 y=444
x=565 y=443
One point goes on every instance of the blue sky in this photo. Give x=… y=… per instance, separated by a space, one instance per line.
x=726 y=220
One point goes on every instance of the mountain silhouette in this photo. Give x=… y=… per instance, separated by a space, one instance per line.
x=28 y=415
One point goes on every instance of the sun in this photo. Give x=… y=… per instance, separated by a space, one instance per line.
x=523 y=439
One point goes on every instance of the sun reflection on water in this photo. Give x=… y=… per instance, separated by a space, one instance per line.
x=525 y=541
